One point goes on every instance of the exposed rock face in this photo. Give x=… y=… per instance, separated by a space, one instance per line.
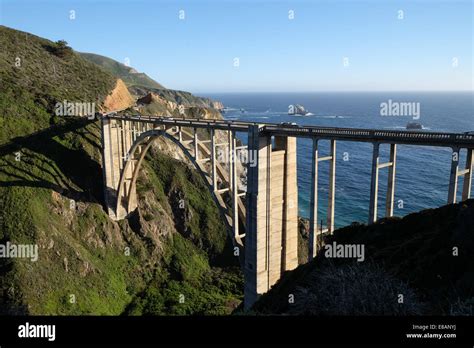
x=147 y=99
x=203 y=112
x=171 y=99
x=159 y=104
x=119 y=98
x=182 y=214
x=303 y=240
x=217 y=105
x=152 y=98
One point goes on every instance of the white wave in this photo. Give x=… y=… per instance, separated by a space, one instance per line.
x=395 y=127
x=404 y=127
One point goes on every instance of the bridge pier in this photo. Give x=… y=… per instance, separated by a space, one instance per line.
x=109 y=170
x=196 y=145
x=213 y=160
x=271 y=240
x=313 y=218
x=234 y=187
x=466 y=191
x=229 y=151
x=391 y=181
x=180 y=134
x=374 y=184
x=314 y=231
x=453 y=178
x=332 y=187
x=456 y=173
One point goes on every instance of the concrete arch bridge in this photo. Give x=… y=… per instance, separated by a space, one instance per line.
x=262 y=216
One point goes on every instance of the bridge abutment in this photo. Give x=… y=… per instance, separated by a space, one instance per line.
x=118 y=136
x=110 y=163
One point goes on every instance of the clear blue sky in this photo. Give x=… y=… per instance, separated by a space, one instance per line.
x=275 y=53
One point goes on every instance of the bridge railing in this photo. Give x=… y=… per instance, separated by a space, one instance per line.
x=371 y=135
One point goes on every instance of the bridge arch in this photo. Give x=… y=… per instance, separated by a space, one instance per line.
x=126 y=198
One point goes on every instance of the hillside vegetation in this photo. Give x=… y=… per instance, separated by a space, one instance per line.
x=51 y=195
x=130 y=76
x=34 y=76
x=425 y=256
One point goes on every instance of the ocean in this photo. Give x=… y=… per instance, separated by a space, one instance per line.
x=422 y=174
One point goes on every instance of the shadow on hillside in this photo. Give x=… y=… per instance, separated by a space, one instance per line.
x=46 y=162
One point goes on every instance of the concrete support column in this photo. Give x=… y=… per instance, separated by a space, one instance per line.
x=466 y=190
x=290 y=223
x=128 y=144
x=115 y=151
x=453 y=178
x=131 y=140
x=313 y=220
x=140 y=128
x=108 y=170
x=123 y=145
x=119 y=125
x=256 y=235
x=196 y=148
x=213 y=160
x=126 y=196
x=374 y=184
x=234 y=189
x=229 y=151
x=131 y=202
x=180 y=134
x=133 y=131
x=332 y=187
x=391 y=181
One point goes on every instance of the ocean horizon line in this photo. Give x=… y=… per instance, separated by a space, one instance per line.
x=330 y=91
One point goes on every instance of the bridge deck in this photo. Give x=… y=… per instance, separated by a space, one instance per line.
x=424 y=138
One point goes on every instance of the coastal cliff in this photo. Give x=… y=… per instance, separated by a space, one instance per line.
x=167 y=258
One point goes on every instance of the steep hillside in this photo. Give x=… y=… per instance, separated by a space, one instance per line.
x=129 y=75
x=425 y=256
x=153 y=98
x=36 y=74
x=51 y=196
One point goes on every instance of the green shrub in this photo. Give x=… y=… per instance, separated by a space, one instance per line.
x=62 y=50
